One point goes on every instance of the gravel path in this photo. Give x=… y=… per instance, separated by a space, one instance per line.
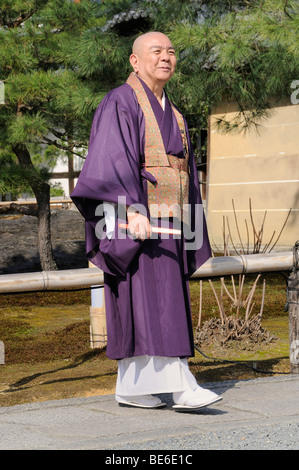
x=258 y=414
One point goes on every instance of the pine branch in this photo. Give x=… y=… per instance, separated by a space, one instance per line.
x=20 y=17
x=17 y=21
x=21 y=209
x=49 y=141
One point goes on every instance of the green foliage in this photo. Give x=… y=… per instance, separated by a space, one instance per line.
x=47 y=102
x=13 y=178
x=59 y=58
x=26 y=125
x=101 y=56
x=56 y=190
x=248 y=56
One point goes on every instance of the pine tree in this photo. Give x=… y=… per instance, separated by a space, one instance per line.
x=243 y=51
x=58 y=58
x=47 y=102
x=246 y=52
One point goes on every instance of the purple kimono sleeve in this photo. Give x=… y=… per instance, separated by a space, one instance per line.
x=111 y=173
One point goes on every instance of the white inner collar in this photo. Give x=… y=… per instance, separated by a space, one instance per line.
x=163 y=100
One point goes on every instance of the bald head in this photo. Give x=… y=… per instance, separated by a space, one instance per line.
x=142 y=40
x=153 y=58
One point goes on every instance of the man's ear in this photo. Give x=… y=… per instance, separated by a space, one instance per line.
x=134 y=62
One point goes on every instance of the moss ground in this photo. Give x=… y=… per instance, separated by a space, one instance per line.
x=48 y=354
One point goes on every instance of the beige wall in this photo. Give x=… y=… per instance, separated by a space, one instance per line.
x=263 y=167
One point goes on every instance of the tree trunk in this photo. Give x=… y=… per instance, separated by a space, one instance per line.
x=41 y=190
x=44 y=228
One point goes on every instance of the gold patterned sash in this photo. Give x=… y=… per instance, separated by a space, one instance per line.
x=170 y=191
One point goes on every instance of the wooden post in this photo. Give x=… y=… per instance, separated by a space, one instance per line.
x=98 y=329
x=293 y=303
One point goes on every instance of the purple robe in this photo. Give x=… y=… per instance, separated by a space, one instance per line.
x=146 y=282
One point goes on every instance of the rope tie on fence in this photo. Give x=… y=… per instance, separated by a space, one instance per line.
x=45 y=279
x=244 y=263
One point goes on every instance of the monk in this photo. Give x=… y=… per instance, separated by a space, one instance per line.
x=139 y=178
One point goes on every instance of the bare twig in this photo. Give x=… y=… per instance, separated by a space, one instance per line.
x=281 y=230
x=236 y=221
x=241 y=283
x=217 y=248
x=224 y=237
x=248 y=310
x=255 y=236
x=226 y=290
x=200 y=304
x=263 y=300
x=221 y=298
x=235 y=326
x=234 y=287
x=268 y=244
x=246 y=301
x=231 y=237
x=261 y=234
x=247 y=232
x=218 y=303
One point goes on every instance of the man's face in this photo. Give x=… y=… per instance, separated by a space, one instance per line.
x=154 y=59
